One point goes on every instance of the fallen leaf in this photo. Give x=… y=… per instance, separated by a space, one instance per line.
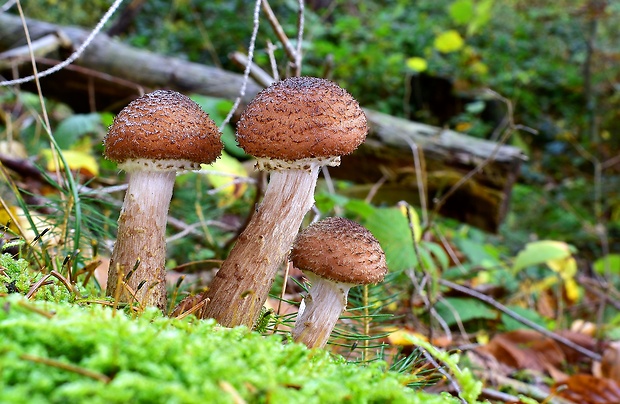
x=586 y=389
x=610 y=364
x=527 y=349
x=79 y=161
x=224 y=175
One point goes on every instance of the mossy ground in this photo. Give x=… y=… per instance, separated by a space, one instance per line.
x=70 y=353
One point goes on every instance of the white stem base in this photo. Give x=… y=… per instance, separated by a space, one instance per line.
x=141 y=236
x=320 y=311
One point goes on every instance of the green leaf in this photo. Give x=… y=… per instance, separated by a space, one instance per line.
x=217 y=109
x=462 y=11
x=477 y=253
x=326 y=201
x=74 y=127
x=438 y=252
x=391 y=228
x=467 y=308
x=612 y=261
x=359 y=207
x=475 y=107
x=511 y=324
x=483 y=15
x=539 y=252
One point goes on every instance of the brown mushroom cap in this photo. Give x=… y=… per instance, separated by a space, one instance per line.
x=299 y=118
x=163 y=125
x=340 y=250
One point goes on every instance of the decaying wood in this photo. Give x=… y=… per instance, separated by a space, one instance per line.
x=446 y=156
x=110 y=74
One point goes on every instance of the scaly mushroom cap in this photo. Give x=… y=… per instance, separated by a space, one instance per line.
x=163 y=130
x=301 y=118
x=340 y=250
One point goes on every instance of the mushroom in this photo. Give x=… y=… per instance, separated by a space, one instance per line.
x=334 y=255
x=293 y=128
x=153 y=138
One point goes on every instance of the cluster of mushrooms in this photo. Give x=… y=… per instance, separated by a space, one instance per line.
x=293 y=128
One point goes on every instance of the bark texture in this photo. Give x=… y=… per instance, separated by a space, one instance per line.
x=241 y=286
x=141 y=242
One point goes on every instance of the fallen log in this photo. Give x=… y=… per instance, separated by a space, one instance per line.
x=109 y=74
x=445 y=158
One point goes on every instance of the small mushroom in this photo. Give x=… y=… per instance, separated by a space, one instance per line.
x=293 y=128
x=334 y=255
x=153 y=138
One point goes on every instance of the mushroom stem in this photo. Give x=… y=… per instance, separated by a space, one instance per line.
x=141 y=236
x=241 y=286
x=320 y=310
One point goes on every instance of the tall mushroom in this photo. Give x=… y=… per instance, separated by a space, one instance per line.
x=334 y=255
x=293 y=127
x=153 y=138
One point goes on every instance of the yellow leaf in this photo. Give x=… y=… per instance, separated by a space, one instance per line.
x=77 y=160
x=399 y=337
x=411 y=214
x=479 y=68
x=6 y=218
x=566 y=267
x=417 y=64
x=482 y=337
x=572 y=289
x=463 y=126
x=224 y=176
x=449 y=41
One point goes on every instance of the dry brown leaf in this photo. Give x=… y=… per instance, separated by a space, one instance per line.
x=610 y=364
x=546 y=304
x=580 y=339
x=586 y=389
x=527 y=349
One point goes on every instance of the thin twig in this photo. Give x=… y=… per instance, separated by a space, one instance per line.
x=300 y=38
x=73 y=56
x=489 y=300
x=67 y=366
x=441 y=370
x=246 y=73
x=7 y=6
x=291 y=53
x=512 y=127
x=419 y=286
x=419 y=163
x=34 y=288
x=35 y=309
x=257 y=73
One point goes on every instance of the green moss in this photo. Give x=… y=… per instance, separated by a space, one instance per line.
x=108 y=357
